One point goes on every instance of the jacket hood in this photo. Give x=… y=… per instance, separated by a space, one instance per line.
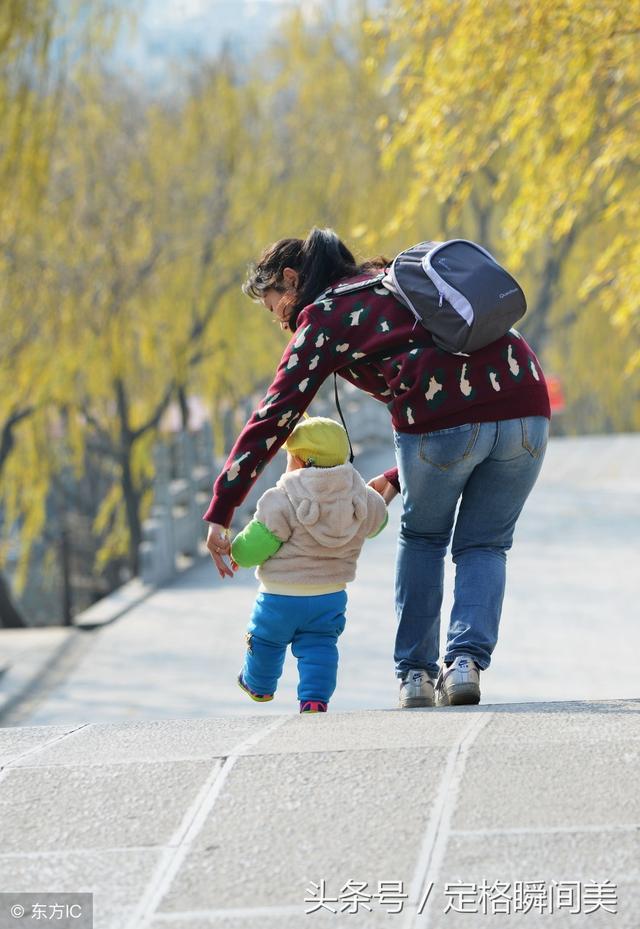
x=331 y=503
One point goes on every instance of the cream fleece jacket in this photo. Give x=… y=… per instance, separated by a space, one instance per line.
x=322 y=516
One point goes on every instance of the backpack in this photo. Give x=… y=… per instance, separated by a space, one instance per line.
x=456 y=289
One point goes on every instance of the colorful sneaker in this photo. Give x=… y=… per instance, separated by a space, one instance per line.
x=416 y=689
x=259 y=698
x=459 y=683
x=313 y=706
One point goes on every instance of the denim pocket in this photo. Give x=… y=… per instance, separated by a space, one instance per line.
x=535 y=434
x=446 y=447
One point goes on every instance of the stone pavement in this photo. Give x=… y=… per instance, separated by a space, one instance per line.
x=246 y=822
x=140 y=773
x=570 y=613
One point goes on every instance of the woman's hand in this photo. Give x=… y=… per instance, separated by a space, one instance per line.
x=219 y=545
x=386 y=490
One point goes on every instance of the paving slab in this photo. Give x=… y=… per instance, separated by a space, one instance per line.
x=563 y=855
x=364 y=731
x=311 y=816
x=113 y=876
x=568 y=722
x=546 y=796
x=164 y=740
x=105 y=806
x=17 y=745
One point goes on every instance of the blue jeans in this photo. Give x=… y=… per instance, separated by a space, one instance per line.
x=490 y=468
x=311 y=625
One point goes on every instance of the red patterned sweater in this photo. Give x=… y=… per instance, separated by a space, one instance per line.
x=373 y=341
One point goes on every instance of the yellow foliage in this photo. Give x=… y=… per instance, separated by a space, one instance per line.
x=543 y=98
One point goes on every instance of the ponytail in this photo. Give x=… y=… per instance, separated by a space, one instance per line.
x=325 y=259
x=320 y=260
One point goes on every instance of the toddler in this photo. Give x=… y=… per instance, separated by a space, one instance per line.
x=305 y=538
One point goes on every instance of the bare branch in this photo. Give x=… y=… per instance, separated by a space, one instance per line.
x=7 y=440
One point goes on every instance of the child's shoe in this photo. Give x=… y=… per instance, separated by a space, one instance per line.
x=260 y=698
x=313 y=706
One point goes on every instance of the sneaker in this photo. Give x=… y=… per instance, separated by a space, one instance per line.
x=458 y=683
x=416 y=689
x=313 y=706
x=260 y=698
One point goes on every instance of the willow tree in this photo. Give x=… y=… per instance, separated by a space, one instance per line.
x=148 y=250
x=37 y=40
x=540 y=101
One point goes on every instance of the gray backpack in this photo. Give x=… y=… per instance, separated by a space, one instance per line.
x=456 y=289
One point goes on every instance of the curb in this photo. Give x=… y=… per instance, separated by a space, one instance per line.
x=114 y=605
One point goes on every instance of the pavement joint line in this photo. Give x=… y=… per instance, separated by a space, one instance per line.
x=38 y=748
x=189 y=829
x=434 y=842
x=541 y=830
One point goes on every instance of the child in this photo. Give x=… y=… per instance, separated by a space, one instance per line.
x=305 y=538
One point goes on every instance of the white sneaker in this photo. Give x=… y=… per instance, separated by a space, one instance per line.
x=458 y=684
x=416 y=689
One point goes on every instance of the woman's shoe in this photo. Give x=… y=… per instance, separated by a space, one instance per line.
x=259 y=698
x=313 y=706
x=416 y=689
x=458 y=684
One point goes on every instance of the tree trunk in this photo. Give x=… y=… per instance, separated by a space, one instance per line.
x=10 y=617
x=132 y=507
x=537 y=332
x=130 y=492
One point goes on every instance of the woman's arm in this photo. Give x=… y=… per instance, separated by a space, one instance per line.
x=310 y=357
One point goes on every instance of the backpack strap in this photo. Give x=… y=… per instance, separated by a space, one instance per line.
x=335 y=388
x=352 y=286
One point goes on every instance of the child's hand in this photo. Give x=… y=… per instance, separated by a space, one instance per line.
x=234 y=564
x=386 y=490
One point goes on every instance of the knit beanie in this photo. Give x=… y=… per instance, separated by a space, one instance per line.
x=319 y=442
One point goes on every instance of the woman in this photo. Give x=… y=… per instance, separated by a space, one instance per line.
x=466 y=428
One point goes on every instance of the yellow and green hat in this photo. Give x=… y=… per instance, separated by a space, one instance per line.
x=319 y=442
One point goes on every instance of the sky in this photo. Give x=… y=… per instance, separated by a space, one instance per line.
x=182 y=29
x=172 y=34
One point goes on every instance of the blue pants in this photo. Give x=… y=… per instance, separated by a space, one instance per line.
x=490 y=468
x=311 y=625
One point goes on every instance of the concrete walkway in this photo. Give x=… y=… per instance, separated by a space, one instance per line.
x=281 y=823
x=137 y=770
x=570 y=614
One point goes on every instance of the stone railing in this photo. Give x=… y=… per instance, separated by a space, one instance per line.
x=184 y=469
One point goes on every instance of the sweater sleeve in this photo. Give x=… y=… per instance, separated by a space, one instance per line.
x=310 y=357
x=393 y=478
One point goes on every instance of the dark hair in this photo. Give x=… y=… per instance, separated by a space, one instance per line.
x=320 y=260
